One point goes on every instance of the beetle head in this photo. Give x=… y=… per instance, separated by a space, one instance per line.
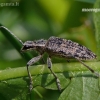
x=28 y=45
x=34 y=45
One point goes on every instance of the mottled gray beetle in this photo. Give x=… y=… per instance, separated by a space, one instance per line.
x=59 y=47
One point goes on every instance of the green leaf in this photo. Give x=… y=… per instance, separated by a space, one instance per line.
x=82 y=88
x=72 y=76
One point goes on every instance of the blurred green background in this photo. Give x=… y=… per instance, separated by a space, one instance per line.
x=40 y=19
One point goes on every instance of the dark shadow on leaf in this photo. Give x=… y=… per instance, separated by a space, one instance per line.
x=88 y=75
x=44 y=79
x=66 y=74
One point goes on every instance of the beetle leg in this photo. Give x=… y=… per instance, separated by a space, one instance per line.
x=97 y=74
x=32 y=61
x=49 y=63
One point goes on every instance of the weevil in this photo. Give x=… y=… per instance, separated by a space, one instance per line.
x=58 y=47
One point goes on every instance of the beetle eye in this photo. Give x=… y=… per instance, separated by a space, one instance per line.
x=27 y=47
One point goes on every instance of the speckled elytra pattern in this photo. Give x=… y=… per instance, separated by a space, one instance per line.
x=68 y=49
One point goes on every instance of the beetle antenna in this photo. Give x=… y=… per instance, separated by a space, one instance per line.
x=12 y=34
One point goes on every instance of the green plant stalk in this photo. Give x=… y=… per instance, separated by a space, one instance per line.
x=42 y=69
x=14 y=42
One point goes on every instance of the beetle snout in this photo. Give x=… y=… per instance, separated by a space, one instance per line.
x=28 y=45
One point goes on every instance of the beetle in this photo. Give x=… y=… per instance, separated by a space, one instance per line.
x=58 y=47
